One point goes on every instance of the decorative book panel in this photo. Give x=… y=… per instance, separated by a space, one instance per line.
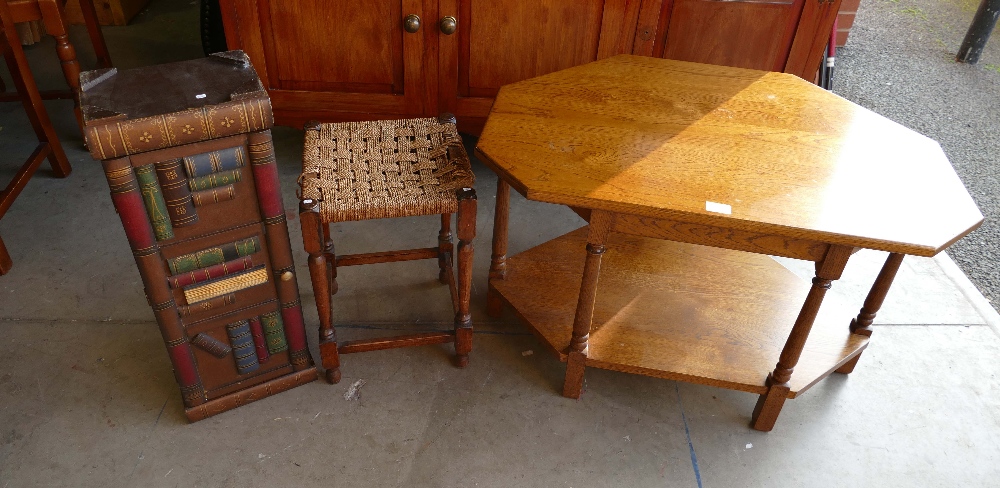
x=214 y=162
x=243 y=349
x=223 y=286
x=207 y=305
x=211 y=272
x=257 y=331
x=274 y=332
x=214 y=255
x=156 y=207
x=176 y=194
x=214 y=180
x=213 y=195
x=211 y=345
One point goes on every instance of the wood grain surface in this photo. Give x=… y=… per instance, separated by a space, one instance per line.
x=678 y=311
x=726 y=147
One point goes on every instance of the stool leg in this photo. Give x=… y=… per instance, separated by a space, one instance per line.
x=321 y=282
x=331 y=260
x=445 y=249
x=56 y=27
x=466 y=233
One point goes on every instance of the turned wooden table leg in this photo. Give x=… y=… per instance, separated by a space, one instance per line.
x=319 y=273
x=861 y=324
x=466 y=228
x=769 y=404
x=498 y=262
x=576 y=361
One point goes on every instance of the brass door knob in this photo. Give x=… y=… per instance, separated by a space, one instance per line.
x=411 y=23
x=448 y=25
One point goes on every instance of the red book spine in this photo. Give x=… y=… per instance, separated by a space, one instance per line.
x=205 y=274
x=257 y=332
x=128 y=202
x=268 y=188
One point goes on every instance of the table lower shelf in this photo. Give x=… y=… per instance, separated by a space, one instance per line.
x=678 y=311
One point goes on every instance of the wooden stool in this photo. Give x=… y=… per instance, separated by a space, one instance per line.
x=383 y=169
x=48 y=143
x=50 y=12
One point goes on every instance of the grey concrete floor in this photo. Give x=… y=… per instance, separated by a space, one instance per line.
x=87 y=396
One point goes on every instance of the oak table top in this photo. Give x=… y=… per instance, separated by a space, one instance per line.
x=737 y=148
x=688 y=174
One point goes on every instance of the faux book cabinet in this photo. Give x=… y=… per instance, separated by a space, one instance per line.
x=187 y=152
x=341 y=60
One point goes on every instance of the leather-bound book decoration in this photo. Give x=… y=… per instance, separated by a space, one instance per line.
x=205 y=274
x=213 y=255
x=214 y=162
x=259 y=343
x=226 y=285
x=243 y=349
x=214 y=180
x=207 y=305
x=213 y=195
x=274 y=332
x=212 y=345
x=176 y=194
x=187 y=152
x=156 y=207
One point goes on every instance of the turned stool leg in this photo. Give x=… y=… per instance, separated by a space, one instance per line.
x=498 y=262
x=765 y=413
x=319 y=273
x=445 y=250
x=466 y=233
x=54 y=26
x=576 y=361
x=861 y=324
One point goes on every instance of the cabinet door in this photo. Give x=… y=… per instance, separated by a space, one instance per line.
x=754 y=34
x=504 y=41
x=336 y=59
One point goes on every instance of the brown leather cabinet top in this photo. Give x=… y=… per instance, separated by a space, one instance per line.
x=691 y=142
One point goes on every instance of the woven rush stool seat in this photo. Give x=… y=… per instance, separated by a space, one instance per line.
x=384 y=169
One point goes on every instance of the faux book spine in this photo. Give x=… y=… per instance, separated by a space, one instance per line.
x=243 y=349
x=211 y=272
x=213 y=195
x=213 y=256
x=156 y=207
x=222 y=286
x=207 y=305
x=214 y=162
x=274 y=332
x=214 y=180
x=259 y=342
x=176 y=193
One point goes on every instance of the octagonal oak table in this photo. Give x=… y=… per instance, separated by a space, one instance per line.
x=690 y=176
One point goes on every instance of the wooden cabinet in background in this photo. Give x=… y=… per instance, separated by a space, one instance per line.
x=338 y=60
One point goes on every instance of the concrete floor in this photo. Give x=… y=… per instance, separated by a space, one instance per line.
x=88 y=397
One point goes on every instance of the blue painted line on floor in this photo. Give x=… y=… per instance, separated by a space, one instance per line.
x=687 y=432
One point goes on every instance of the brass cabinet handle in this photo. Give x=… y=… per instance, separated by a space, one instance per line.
x=411 y=23
x=448 y=25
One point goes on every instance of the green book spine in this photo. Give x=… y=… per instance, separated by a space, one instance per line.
x=213 y=256
x=274 y=332
x=156 y=207
x=215 y=179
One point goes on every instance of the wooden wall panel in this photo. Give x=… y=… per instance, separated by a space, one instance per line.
x=745 y=34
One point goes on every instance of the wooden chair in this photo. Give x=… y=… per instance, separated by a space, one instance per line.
x=48 y=144
x=371 y=170
x=50 y=12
